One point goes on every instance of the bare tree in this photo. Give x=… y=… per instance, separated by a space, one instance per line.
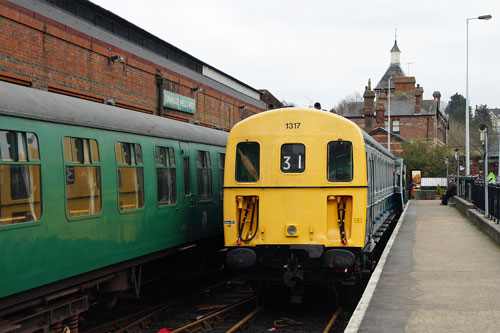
x=347 y=102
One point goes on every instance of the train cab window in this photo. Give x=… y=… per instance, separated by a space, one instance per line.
x=204 y=173
x=130 y=176
x=221 y=159
x=293 y=158
x=83 y=176
x=340 y=161
x=20 y=192
x=166 y=176
x=247 y=162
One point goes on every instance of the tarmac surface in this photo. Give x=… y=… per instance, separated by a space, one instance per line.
x=439 y=273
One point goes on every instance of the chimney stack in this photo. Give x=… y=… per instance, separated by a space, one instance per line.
x=369 y=97
x=418 y=98
x=437 y=96
x=380 y=114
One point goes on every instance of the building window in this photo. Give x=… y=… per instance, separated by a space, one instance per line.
x=203 y=167
x=395 y=126
x=340 y=161
x=130 y=176
x=166 y=175
x=20 y=197
x=247 y=162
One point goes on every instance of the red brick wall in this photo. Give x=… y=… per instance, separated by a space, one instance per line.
x=396 y=146
x=404 y=84
x=55 y=57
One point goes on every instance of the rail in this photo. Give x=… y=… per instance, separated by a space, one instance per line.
x=472 y=190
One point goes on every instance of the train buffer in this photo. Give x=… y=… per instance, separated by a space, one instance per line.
x=438 y=273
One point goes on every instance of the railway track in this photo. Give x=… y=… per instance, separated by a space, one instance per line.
x=227 y=307
x=194 y=311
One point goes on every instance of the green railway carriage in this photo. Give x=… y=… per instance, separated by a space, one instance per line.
x=87 y=187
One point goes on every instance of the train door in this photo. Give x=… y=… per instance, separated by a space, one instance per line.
x=188 y=202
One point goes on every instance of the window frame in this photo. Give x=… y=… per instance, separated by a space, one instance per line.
x=120 y=164
x=399 y=126
x=284 y=172
x=73 y=164
x=221 y=169
x=170 y=167
x=328 y=162
x=29 y=161
x=207 y=168
x=236 y=164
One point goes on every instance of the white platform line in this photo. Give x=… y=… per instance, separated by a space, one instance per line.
x=359 y=313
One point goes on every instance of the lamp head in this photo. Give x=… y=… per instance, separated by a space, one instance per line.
x=115 y=58
x=484 y=17
x=483 y=130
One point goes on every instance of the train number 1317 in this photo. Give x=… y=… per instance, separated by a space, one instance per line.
x=292 y=125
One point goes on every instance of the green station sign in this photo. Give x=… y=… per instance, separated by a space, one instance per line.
x=179 y=102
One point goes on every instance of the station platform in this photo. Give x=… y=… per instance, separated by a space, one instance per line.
x=439 y=273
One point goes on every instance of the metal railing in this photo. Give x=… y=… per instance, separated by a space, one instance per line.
x=473 y=190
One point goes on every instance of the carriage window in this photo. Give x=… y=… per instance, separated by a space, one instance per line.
x=247 y=162
x=204 y=173
x=166 y=176
x=19 y=172
x=339 y=161
x=293 y=158
x=130 y=175
x=221 y=159
x=83 y=176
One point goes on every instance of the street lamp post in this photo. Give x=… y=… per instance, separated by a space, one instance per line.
x=483 y=131
x=446 y=162
x=467 y=157
x=457 y=162
x=498 y=156
x=389 y=115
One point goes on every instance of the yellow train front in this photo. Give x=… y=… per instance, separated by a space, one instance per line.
x=305 y=193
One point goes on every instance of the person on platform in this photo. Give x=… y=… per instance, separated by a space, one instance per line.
x=450 y=191
x=491 y=178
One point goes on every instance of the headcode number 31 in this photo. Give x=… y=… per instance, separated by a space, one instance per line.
x=292 y=125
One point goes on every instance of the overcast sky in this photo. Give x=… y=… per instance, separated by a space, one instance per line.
x=320 y=50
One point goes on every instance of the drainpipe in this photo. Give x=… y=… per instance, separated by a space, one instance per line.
x=160 y=82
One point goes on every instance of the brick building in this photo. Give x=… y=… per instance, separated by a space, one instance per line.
x=78 y=48
x=412 y=117
x=271 y=101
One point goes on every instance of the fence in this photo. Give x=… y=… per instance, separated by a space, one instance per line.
x=433 y=182
x=473 y=191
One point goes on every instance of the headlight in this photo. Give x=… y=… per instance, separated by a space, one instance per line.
x=291 y=230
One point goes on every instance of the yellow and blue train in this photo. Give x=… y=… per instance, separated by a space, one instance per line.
x=91 y=195
x=307 y=196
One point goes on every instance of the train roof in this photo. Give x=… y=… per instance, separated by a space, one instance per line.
x=367 y=138
x=36 y=104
